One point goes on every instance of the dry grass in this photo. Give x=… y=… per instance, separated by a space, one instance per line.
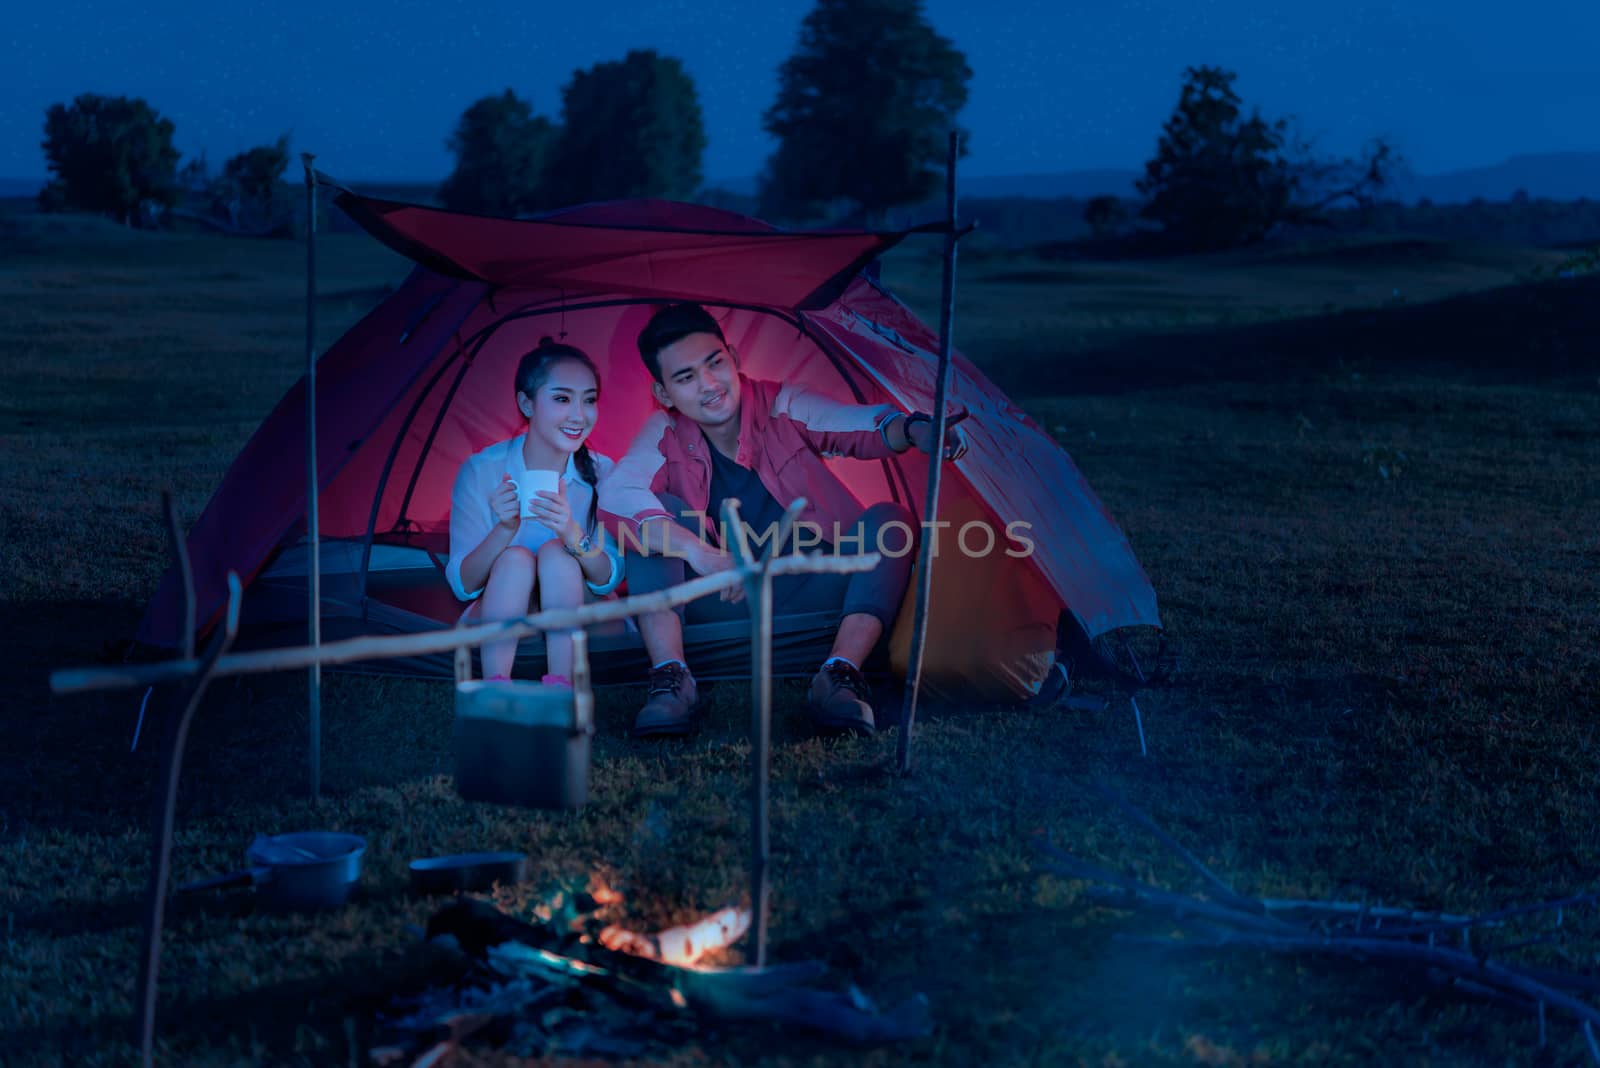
x=1388 y=692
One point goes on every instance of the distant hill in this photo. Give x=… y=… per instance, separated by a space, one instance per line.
x=1550 y=175
x=1080 y=184
x=13 y=188
x=1562 y=176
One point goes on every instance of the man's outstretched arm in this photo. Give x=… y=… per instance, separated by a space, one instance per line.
x=862 y=431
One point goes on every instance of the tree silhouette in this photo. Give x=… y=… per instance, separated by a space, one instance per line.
x=256 y=172
x=110 y=155
x=500 y=147
x=1219 y=179
x=629 y=128
x=248 y=193
x=864 y=109
x=1105 y=214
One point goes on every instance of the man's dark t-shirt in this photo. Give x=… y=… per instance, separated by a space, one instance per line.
x=760 y=510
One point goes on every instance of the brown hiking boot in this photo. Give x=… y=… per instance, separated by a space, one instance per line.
x=839 y=700
x=669 y=706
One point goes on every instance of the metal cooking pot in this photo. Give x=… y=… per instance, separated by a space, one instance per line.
x=304 y=870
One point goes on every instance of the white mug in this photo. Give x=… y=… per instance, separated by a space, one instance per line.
x=532 y=483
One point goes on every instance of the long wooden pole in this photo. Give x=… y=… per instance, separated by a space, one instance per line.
x=313 y=528
x=758 y=594
x=947 y=311
x=121 y=677
x=155 y=898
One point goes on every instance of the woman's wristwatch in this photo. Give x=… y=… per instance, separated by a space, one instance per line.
x=583 y=548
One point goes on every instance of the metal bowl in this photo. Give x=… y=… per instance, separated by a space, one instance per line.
x=306 y=869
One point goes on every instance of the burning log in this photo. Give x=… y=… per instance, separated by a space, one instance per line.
x=641 y=973
x=681 y=946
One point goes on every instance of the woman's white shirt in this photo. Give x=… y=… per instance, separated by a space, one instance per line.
x=471 y=517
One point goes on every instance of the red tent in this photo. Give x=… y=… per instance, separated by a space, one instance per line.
x=424 y=381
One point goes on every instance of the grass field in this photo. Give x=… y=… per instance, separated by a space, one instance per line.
x=1364 y=479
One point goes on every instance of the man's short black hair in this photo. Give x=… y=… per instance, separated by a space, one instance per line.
x=672 y=324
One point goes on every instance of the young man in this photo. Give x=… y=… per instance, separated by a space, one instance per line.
x=727 y=436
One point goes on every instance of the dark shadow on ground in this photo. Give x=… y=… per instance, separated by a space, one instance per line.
x=1541 y=331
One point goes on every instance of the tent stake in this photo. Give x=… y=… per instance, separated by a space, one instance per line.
x=1133 y=700
x=947 y=310
x=314 y=583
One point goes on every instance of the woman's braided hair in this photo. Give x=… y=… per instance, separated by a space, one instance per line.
x=533 y=371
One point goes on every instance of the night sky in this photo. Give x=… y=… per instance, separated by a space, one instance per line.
x=375 y=89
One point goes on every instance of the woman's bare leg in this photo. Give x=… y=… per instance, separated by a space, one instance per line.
x=507 y=595
x=560 y=586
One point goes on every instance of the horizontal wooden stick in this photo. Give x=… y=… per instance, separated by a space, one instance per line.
x=1296 y=909
x=381 y=647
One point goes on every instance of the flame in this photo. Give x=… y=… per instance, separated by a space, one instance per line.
x=602 y=893
x=683 y=946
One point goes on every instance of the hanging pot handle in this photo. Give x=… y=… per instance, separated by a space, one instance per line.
x=244 y=877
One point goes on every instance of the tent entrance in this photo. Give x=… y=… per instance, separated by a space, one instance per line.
x=430 y=409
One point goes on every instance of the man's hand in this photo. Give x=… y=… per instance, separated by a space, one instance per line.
x=710 y=561
x=702 y=559
x=919 y=431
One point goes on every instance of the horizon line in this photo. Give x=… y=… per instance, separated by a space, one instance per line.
x=714 y=183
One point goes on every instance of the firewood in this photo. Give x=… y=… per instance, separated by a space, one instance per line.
x=782 y=993
x=1229 y=920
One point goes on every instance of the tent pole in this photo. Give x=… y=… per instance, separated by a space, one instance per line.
x=314 y=584
x=947 y=309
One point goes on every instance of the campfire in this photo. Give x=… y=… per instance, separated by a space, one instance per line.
x=577 y=983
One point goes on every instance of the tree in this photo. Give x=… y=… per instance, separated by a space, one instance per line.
x=500 y=147
x=194 y=178
x=1105 y=214
x=1321 y=183
x=256 y=172
x=864 y=109
x=1216 y=179
x=629 y=128
x=248 y=194
x=1219 y=179
x=110 y=155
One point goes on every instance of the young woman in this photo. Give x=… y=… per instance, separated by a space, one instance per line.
x=508 y=563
